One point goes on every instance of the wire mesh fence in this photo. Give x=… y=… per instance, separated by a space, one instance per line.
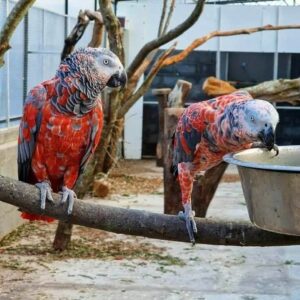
x=34 y=56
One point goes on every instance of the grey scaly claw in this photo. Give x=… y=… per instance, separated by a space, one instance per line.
x=45 y=190
x=68 y=194
x=188 y=217
x=276 y=149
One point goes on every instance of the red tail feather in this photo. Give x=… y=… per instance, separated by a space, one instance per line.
x=32 y=217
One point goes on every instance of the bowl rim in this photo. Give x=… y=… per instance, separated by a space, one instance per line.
x=231 y=159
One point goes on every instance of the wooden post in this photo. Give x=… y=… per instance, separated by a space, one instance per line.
x=168 y=98
x=178 y=95
x=204 y=188
x=162 y=97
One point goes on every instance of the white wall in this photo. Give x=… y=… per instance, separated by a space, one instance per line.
x=142 y=19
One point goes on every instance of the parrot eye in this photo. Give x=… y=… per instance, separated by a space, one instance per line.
x=105 y=61
x=252 y=118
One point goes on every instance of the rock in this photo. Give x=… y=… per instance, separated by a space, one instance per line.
x=101 y=188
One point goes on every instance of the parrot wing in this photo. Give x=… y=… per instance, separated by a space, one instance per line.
x=94 y=137
x=188 y=133
x=29 y=128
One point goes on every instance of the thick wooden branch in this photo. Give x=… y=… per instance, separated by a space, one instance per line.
x=15 y=17
x=200 y=41
x=141 y=223
x=169 y=36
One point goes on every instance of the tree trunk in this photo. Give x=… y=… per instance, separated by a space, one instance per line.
x=203 y=189
x=141 y=223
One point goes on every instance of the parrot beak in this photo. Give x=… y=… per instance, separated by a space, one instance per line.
x=118 y=79
x=267 y=137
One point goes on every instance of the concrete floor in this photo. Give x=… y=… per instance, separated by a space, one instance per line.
x=210 y=272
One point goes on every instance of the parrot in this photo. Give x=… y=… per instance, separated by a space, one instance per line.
x=208 y=130
x=62 y=122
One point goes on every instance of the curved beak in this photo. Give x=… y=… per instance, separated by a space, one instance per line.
x=118 y=79
x=267 y=137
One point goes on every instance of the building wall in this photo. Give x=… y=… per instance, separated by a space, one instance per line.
x=144 y=28
x=9 y=215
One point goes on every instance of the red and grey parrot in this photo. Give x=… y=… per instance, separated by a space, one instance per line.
x=208 y=130
x=62 y=123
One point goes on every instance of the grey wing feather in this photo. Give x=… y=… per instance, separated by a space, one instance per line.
x=26 y=144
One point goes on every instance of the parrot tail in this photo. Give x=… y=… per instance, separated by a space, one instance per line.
x=32 y=217
x=174 y=167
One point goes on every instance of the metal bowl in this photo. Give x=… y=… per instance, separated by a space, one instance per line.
x=271 y=186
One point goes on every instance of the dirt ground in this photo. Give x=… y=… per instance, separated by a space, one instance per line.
x=102 y=265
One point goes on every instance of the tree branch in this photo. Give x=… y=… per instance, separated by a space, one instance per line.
x=162 y=18
x=146 y=84
x=83 y=20
x=200 y=41
x=15 y=17
x=134 y=78
x=141 y=223
x=113 y=28
x=170 y=35
x=170 y=13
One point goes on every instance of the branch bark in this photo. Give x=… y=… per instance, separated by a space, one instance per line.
x=200 y=41
x=280 y=90
x=141 y=223
x=113 y=28
x=15 y=17
x=83 y=20
x=146 y=84
x=170 y=35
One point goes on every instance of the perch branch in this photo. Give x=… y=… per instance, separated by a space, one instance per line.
x=200 y=41
x=141 y=223
x=15 y=17
x=170 y=35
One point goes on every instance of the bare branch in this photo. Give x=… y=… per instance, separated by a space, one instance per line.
x=98 y=28
x=146 y=84
x=141 y=223
x=15 y=17
x=83 y=20
x=170 y=35
x=162 y=18
x=113 y=28
x=200 y=41
x=171 y=9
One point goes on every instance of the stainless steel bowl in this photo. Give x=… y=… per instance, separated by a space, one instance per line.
x=271 y=186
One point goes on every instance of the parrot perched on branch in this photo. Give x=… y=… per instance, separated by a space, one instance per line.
x=62 y=123
x=208 y=130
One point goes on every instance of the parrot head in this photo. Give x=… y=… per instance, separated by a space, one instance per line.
x=92 y=69
x=256 y=121
x=86 y=72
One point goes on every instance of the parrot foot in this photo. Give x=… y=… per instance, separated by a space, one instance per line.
x=68 y=194
x=276 y=149
x=45 y=190
x=188 y=217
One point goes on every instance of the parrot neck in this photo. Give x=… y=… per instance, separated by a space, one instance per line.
x=227 y=135
x=67 y=99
